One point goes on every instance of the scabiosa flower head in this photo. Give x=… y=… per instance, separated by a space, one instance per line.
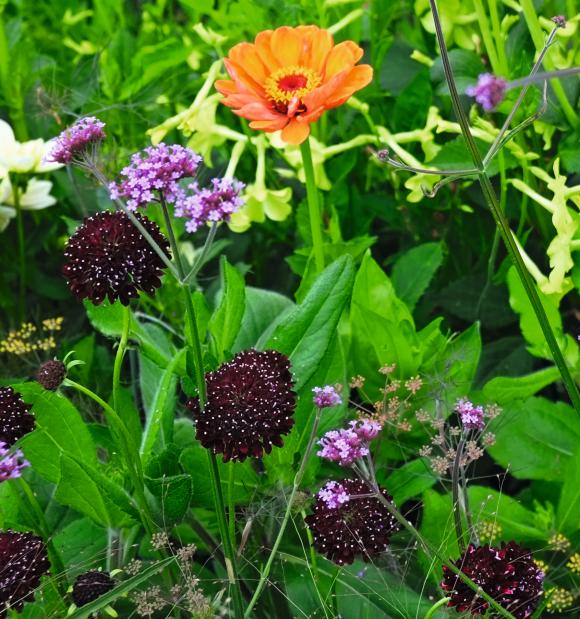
x=366 y=429
x=333 y=494
x=489 y=91
x=358 y=527
x=76 y=141
x=15 y=420
x=153 y=170
x=23 y=560
x=325 y=397
x=507 y=574
x=250 y=403
x=343 y=446
x=51 y=374
x=108 y=257
x=471 y=416
x=90 y=586
x=11 y=465
x=210 y=204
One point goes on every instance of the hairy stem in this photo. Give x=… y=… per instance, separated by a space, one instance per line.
x=120 y=355
x=313 y=206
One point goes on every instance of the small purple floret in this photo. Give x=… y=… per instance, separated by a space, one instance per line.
x=471 y=416
x=325 y=397
x=559 y=20
x=213 y=204
x=75 y=140
x=11 y=464
x=342 y=446
x=489 y=91
x=366 y=429
x=334 y=495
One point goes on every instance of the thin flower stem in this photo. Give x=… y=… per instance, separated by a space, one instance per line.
x=313 y=205
x=503 y=67
x=297 y=481
x=502 y=222
x=120 y=355
x=438 y=604
x=21 y=251
x=487 y=36
x=200 y=260
x=543 y=77
x=231 y=503
x=455 y=499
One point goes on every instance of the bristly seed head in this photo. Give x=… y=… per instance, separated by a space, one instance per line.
x=90 y=586
x=15 y=420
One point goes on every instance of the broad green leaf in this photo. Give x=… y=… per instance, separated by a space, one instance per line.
x=414 y=270
x=503 y=389
x=410 y=480
x=81 y=544
x=173 y=493
x=60 y=429
x=569 y=506
x=535 y=438
x=307 y=330
x=226 y=321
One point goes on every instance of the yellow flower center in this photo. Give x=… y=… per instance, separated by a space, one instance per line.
x=291 y=83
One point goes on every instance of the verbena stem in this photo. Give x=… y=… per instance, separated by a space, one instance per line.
x=455 y=496
x=297 y=481
x=313 y=206
x=502 y=222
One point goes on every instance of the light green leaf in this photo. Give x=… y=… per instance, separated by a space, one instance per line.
x=410 y=480
x=503 y=389
x=569 y=506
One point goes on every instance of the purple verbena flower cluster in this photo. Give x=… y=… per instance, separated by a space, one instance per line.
x=11 y=464
x=489 y=91
x=153 y=170
x=333 y=494
x=325 y=397
x=215 y=203
x=349 y=444
x=472 y=417
x=75 y=140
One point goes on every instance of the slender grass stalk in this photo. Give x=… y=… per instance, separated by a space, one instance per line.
x=313 y=206
x=21 y=251
x=487 y=36
x=297 y=481
x=502 y=222
x=194 y=344
x=438 y=604
x=120 y=355
x=503 y=68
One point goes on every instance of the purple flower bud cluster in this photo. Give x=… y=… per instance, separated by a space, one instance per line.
x=76 y=140
x=471 y=416
x=11 y=464
x=325 y=397
x=489 y=91
x=156 y=169
x=349 y=444
x=215 y=203
x=334 y=495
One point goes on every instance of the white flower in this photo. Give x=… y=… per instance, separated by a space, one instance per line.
x=23 y=157
x=36 y=196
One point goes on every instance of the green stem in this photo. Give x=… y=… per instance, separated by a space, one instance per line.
x=487 y=36
x=435 y=607
x=455 y=491
x=503 y=68
x=313 y=206
x=21 y=251
x=194 y=345
x=297 y=480
x=120 y=355
x=231 y=504
x=502 y=222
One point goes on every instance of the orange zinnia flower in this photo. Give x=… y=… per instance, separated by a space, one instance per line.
x=289 y=76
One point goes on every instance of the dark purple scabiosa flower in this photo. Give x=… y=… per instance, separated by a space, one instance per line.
x=325 y=397
x=108 y=257
x=345 y=528
x=90 y=586
x=78 y=142
x=210 y=204
x=489 y=91
x=157 y=169
x=11 y=464
x=250 y=404
x=51 y=374
x=472 y=417
x=23 y=560
x=15 y=420
x=508 y=574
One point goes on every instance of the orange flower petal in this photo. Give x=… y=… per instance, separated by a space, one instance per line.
x=245 y=55
x=295 y=132
x=270 y=125
x=342 y=57
x=226 y=87
x=264 y=50
x=319 y=96
x=358 y=78
x=319 y=46
x=256 y=111
x=244 y=82
x=286 y=46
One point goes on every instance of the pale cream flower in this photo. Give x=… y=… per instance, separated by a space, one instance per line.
x=23 y=157
x=35 y=197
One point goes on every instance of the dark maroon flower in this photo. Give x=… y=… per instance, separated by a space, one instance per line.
x=23 y=560
x=358 y=527
x=15 y=420
x=51 y=374
x=250 y=403
x=108 y=257
x=507 y=574
x=90 y=586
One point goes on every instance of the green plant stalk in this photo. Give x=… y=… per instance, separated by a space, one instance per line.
x=21 y=251
x=537 y=35
x=313 y=206
x=456 y=502
x=503 y=67
x=194 y=344
x=502 y=222
x=120 y=355
x=487 y=36
x=231 y=504
x=438 y=604
x=297 y=480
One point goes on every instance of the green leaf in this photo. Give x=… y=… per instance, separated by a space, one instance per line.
x=306 y=332
x=174 y=494
x=79 y=543
x=226 y=321
x=412 y=105
x=410 y=480
x=414 y=270
x=59 y=430
x=535 y=438
x=503 y=389
x=568 y=514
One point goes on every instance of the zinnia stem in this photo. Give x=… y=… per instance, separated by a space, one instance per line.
x=297 y=481
x=313 y=206
x=502 y=222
